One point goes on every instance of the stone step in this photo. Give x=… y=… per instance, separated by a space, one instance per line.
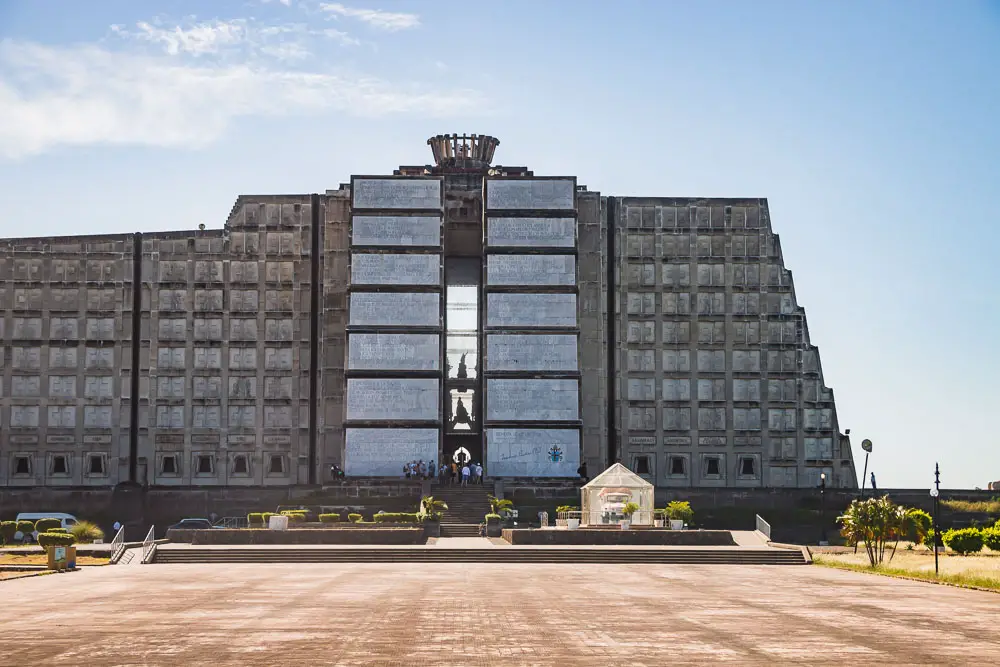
x=491 y=555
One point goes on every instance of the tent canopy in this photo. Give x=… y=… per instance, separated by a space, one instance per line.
x=618 y=476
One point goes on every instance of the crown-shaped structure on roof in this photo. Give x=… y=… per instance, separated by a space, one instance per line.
x=468 y=151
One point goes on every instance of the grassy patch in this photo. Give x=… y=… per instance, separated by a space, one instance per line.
x=975 y=571
x=973 y=506
x=42 y=559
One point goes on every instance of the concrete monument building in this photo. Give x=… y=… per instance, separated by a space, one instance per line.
x=457 y=310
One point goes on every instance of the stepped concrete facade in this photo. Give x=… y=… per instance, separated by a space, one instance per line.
x=458 y=311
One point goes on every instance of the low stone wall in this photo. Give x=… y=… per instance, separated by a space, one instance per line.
x=300 y=536
x=611 y=537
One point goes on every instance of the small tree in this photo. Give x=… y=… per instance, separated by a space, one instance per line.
x=920 y=524
x=7 y=530
x=43 y=525
x=431 y=508
x=873 y=521
x=991 y=538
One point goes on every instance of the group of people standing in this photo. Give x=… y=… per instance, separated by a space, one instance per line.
x=464 y=474
x=419 y=469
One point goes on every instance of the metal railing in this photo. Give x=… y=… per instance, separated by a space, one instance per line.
x=118 y=545
x=233 y=522
x=639 y=518
x=764 y=528
x=148 y=546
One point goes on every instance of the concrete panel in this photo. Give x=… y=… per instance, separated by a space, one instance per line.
x=531 y=232
x=391 y=309
x=396 y=230
x=382 y=452
x=523 y=452
x=393 y=399
x=531 y=310
x=558 y=270
x=531 y=194
x=531 y=352
x=395 y=269
x=394 y=351
x=532 y=400
x=397 y=193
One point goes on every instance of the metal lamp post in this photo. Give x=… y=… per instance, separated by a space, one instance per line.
x=822 y=509
x=935 y=492
x=867 y=446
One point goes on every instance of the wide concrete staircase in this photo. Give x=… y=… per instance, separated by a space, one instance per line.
x=565 y=555
x=467 y=508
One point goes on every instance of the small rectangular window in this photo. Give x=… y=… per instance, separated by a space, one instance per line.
x=748 y=467
x=677 y=466
x=168 y=465
x=240 y=465
x=205 y=465
x=60 y=465
x=276 y=465
x=642 y=465
x=22 y=465
x=95 y=464
x=712 y=468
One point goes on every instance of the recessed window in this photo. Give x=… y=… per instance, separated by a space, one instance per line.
x=168 y=465
x=241 y=465
x=205 y=466
x=678 y=466
x=713 y=466
x=641 y=465
x=748 y=466
x=276 y=465
x=60 y=466
x=22 y=465
x=96 y=464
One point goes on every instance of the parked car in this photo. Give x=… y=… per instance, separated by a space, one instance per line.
x=68 y=520
x=192 y=524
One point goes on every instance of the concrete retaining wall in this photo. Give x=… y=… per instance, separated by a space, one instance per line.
x=611 y=537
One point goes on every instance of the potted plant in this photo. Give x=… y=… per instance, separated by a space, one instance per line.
x=628 y=510
x=679 y=512
x=430 y=515
x=658 y=518
x=562 y=514
x=493 y=527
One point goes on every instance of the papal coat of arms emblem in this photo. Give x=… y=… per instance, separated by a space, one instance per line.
x=555 y=454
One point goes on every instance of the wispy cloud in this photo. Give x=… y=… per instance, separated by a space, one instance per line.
x=382 y=20
x=182 y=86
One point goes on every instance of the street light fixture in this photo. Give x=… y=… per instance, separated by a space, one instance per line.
x=935 y=492
x=867 y=446
x=822 y=509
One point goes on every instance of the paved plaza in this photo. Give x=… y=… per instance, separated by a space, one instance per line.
x=482 y=614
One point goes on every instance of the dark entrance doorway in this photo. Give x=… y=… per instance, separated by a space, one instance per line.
x=463 y=448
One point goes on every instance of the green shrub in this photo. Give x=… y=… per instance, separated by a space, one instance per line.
x=43 y=525
x=57 y=530
x=567 y=508
x=396 y=517
x=86 y=531
x=56 y=539
x=7 y=530
x=329 y=518
x=679 y=510
x=26 y=528
x=991 y=538
x=255 y=519
x=919 y=524
x=354 y=518
x=964 y=541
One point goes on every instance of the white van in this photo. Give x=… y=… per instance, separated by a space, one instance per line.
x=67 y=521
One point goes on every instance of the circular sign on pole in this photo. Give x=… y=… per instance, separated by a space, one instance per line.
x=866 y=445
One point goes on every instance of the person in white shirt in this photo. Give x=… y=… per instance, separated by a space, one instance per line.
x=478 y=473
x=465 y=474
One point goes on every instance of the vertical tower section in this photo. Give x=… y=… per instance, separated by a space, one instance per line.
x=718 y=382
x=532 y=376
x=394 y=347
x=66 y=322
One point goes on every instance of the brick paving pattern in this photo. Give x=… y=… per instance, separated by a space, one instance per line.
x=481 y=614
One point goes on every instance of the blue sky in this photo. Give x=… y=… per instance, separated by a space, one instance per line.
x=870 y=127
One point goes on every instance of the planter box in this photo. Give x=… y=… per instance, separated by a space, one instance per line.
x=61 y=558
x=432 y=529
x=676 y=524
x=614 y=535
x=494 y=529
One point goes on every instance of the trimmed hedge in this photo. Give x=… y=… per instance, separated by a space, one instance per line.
x=964 y=541
x=294 y=517
x=991 y=538
x=396 y=517
x=55 y=530
x=56 y=540
x=43 y=525
x=354 y=518
x=26 y=527
x=7 y=530
x=329 y=518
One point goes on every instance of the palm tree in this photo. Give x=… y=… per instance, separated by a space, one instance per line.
x=431 y=508
x=500 y=505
